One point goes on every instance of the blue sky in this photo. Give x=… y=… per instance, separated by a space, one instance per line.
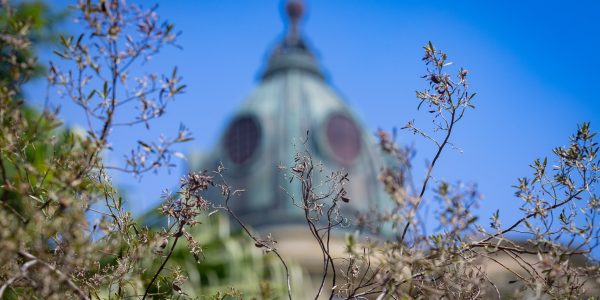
x=534 y=65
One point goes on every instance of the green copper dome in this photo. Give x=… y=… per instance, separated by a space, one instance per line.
x=267 y=129
x=292 y=54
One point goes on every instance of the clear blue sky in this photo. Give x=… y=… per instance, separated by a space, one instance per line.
x=534 y=65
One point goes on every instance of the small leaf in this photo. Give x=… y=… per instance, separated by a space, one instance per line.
x=91 y=95
x=79 y=39
x=472 y=220
x=179 y=155
x=105 y=89
x=182 y=140
x=179 y=89
x=145 y=146
x=60 y=54
x=65 y=41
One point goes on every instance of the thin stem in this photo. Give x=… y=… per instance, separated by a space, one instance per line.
x=531 y=215
x=428 y=176
x=4 y=178
x=164 y=263
x=257 y=241
x=80 y=293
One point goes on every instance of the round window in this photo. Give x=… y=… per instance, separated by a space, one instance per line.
x=343 y=138
x=241 y=139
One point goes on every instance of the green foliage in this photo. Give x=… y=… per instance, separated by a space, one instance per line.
x=227 y=260
x=25 y=27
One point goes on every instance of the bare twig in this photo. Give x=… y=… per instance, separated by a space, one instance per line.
x=62 y=276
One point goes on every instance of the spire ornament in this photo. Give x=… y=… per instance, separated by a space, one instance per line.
x=292 y=52
x=294 y=10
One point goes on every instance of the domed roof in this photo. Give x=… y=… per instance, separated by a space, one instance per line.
x=267 y=129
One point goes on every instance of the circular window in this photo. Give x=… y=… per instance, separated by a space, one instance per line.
x=241 y=139
x=343 y=138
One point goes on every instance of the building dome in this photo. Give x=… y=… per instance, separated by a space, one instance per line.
x=292 y=100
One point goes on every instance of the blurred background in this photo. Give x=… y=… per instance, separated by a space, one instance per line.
x=534 y=66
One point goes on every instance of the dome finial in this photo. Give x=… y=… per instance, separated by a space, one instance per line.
x=294 y=10
x=292 y=52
